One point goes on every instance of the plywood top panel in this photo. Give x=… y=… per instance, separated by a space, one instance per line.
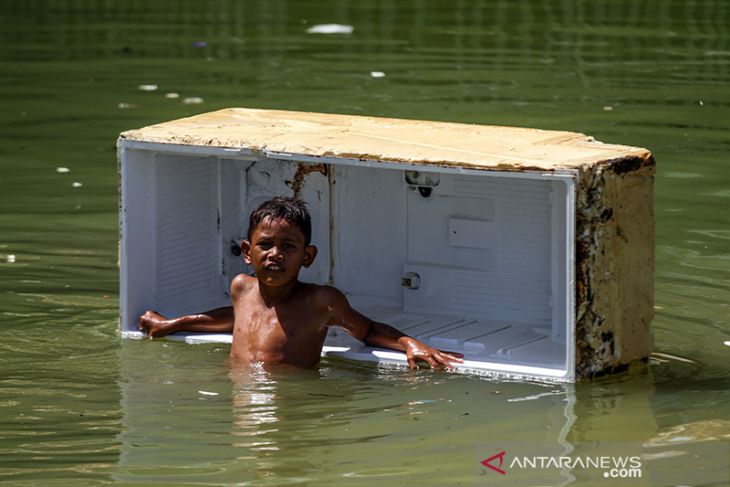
x=388 y=139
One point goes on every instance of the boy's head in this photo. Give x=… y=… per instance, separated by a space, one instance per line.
x=278 y=245
x=292 y=210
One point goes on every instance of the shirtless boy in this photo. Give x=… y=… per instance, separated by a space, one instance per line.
x=277 y=319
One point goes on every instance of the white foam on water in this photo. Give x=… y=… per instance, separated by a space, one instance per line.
x=330 y=29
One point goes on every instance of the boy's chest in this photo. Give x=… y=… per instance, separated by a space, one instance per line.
x=279 y=328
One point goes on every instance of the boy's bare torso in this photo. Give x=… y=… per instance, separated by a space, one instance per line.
x=287 y=332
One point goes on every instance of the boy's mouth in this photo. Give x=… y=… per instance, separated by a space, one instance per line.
x=274 y=268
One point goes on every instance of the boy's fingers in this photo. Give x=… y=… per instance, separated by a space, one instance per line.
x=453 y=354
x=432 y=362
x=457 y=359
x=436 y=360
x=449 y=361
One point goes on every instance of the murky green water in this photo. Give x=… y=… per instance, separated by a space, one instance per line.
x=80 y=407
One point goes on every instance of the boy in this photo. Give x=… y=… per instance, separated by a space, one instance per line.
x=277 y=319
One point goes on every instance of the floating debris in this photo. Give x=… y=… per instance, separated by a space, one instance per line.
x=172 y=95
x=200 y=44
x=727 y=343
x=77 y=184
x=668 y=357
x=206 y=393
x=330 y=29
x=556 y=392
x=707 y=430
x=377 y=74
x=192 y=100
x=147 y=87
x=124 y=105
x=701 y=103
x=608 y=108
x=10 y=258
x=62 y=170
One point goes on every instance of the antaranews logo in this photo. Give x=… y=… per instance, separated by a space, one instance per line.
x=626 y=464
x=611 y=466
x=499 y=456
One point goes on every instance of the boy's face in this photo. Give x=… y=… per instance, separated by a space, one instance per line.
x=277 y=252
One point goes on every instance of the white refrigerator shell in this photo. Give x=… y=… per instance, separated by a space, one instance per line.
x=472 y=257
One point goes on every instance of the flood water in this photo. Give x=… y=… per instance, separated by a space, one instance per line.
x=79 y=406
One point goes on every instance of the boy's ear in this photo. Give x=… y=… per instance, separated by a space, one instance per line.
x=310 y=252
x=246 y=251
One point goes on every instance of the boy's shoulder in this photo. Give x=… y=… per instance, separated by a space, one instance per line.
x=242 y=282
x=312 y=290
x=324 y=295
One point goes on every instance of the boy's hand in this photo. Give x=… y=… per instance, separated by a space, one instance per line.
x=417 y=350
x=154 y=324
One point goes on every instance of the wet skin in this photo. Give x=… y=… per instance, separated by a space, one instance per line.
x=276 y=319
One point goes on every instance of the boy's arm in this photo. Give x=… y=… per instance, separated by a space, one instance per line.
x=219 y=320
x=382 y=335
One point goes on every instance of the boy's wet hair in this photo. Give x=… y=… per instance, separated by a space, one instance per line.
x=291 y=210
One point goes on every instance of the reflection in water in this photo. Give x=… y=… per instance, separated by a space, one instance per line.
x=613 y=417
x=622 y=415
x=615 y=409
x=254 y=408
x=255 y=420
x=288 y=421
x=346 y=420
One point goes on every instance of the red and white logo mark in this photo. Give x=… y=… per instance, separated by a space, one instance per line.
x=488 y=462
